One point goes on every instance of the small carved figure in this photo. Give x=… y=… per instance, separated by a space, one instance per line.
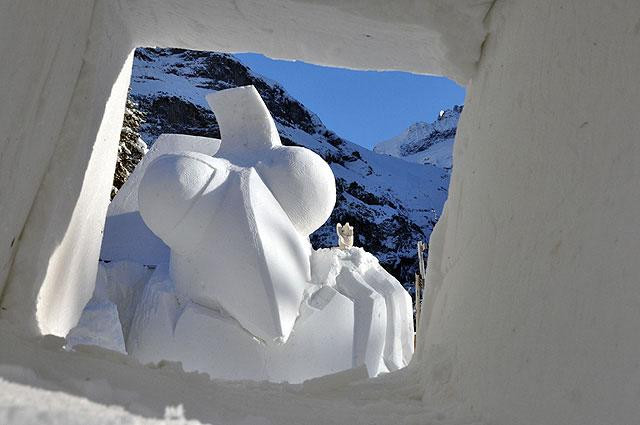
x=345 y=235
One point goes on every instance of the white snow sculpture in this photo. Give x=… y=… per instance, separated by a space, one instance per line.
x=237 y=291
x=222 y=221
x=249 y=201
x=345 y=235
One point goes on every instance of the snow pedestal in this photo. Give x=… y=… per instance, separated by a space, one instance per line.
x=342 y=324
x=532 y=296
x=99 y=325
x=154 y=318
x=212 y=341
x=322 y=341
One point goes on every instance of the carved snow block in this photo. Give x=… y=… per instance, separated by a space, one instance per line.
x=231 y=243
x=370 y=320
x=398 y=345
x=321 y=343
x=211 y=341
x=151 y=334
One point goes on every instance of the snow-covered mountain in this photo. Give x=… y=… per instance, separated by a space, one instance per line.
x=425 y=143
x=391 y=203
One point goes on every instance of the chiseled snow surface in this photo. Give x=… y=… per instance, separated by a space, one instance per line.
x=353 y=314
x=532 y=291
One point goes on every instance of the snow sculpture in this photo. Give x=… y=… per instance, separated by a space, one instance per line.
x=237 y=291
x=345 y=235
x=260 y=202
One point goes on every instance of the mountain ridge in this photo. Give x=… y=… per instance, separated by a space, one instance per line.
x=425 y=143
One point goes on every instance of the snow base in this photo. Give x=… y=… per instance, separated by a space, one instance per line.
x=355 y=314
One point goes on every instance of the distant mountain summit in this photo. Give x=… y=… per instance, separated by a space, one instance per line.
x=425 y=143
x=391 y=203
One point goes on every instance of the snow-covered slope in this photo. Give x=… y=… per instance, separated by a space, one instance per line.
x=392 y=204
x=425 y=143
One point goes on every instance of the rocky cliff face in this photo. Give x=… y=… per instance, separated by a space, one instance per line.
x=131 y=148
x=391 y=203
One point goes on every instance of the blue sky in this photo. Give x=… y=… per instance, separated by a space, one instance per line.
x=364 y=107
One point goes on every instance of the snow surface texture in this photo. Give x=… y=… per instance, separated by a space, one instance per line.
x=241 y=269
x=438 y=37
x=426 y=143
x=532 y=289
x=25 y=405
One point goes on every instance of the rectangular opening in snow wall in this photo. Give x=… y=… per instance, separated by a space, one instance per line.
x=390 y=189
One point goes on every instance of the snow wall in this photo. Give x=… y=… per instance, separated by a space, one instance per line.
x=64 y=76
x=532 y=308
x=535 y=301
